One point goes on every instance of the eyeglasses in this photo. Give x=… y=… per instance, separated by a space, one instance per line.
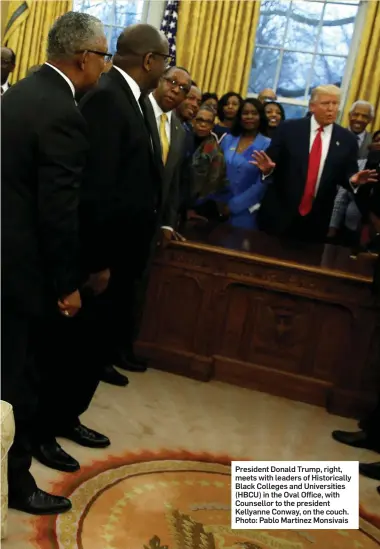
x=107 y=56
x=167 y=58
x=174 y=84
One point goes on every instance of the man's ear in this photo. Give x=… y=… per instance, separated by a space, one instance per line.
x=147 y=62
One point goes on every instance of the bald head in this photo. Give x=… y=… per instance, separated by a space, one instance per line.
x=267 y=95
x=142 y=51
x=141 y=39
x=8 y=63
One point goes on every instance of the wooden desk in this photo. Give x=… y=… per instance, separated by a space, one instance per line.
x=293 y=320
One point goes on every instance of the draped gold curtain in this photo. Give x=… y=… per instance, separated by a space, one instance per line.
x=365 y=81
x=215 y=42
x=26 y=30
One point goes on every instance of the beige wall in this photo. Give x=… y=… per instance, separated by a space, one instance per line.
x=4 y=10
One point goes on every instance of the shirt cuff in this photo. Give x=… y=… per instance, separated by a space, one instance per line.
x=264 y=177
x=354 y=188
x=254 y=208
x=168 y=228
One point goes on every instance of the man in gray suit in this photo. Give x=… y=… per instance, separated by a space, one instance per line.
x=346 y=217
x=169 y=137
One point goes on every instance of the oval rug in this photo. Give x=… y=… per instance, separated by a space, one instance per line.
x=171 y=504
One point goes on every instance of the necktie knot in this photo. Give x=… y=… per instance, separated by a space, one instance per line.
x=164 y=117
x=320 y=130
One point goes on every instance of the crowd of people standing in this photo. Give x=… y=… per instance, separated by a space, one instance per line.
x=99 y=164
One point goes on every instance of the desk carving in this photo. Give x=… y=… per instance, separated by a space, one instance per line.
x=304 y=332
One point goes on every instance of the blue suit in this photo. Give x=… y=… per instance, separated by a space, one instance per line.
x=246 y=188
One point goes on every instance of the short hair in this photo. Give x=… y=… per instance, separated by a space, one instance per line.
x=13 y=55
x=176 y=68
x=139 y=39
x=363 y=103
x=208 y=109
x=328 y=89
x=223 y=102
x=73 y=32
x=237 y=128
x=208 y=95
x=278 y=105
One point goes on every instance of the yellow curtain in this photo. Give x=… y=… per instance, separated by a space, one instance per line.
x=215 y=42
x=365 y=81
x=26 y=30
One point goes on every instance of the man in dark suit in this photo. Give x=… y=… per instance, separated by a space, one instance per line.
x=306 y=161
x=122 y=191
x=8 y=65
x=44 y=148
x=169 y=137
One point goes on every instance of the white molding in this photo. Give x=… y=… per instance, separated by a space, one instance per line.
x=155 y=12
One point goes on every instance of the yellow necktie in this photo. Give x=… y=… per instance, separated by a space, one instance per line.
x=164 y=138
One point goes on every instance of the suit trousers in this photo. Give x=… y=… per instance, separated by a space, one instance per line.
x=371 y=425
x=69 y=366
x=18 y=337
x=121 y=301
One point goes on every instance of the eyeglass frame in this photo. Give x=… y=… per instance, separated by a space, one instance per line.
x=105 y=54
x=174 y=84
x=167 y=58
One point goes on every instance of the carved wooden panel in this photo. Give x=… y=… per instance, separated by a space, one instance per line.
x=177 y=310
x=285 y=332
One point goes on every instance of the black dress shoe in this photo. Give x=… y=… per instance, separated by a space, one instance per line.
x=41 y=503
x=359 y=439
x=130 y=362
x=85 y=437
x=52 y=455
x=113 y=377
x=370 y=470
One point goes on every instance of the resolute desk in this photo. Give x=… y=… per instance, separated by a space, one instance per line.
x=298 y=321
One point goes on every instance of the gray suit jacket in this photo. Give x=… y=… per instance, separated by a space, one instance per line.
x=173 y=166
x=363 y=150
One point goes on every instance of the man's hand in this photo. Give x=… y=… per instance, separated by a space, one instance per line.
x=70 y=305
x=193 y=216
x=363 y=177
x=98 y=282
x=263 y=162
x=168 y=236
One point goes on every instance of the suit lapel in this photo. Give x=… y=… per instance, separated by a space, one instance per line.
x=174 y=142
x=304 y=146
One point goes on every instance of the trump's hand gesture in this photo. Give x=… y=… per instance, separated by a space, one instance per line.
x=263 y=162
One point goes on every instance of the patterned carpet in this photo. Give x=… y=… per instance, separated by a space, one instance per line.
x=164 y=482
x=168 y=501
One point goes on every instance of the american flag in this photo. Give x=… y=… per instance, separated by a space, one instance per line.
x=169 y=26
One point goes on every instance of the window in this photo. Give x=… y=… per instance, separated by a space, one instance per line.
x=299 y=45
x=115 y=15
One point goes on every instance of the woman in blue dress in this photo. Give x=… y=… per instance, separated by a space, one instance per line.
x=246 y=188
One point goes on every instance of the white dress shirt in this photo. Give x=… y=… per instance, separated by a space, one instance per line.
x=326 y=139
x=5 y=86
x=157 y=114
x=64 y=77
x=135 y=88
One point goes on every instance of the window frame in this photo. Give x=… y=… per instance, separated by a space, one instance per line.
x=350 y=58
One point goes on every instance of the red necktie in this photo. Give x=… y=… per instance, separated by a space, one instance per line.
x=312 y=174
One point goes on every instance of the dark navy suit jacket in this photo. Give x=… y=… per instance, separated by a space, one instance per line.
x=289 y=149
